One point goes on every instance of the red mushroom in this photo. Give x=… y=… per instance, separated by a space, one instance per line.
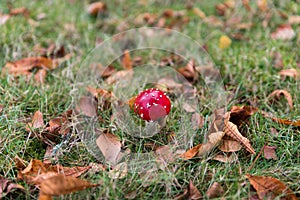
x=152 y=105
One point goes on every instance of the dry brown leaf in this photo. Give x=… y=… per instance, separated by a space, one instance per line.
x=199 y=12
x=277 y=60
x=96 y=8
x=191 y=152
x=40 y=76
x=240 y=114
x=87 y=106
x=191 y=193
x=269 y=152
x=262 y=5
x=247 y=5
x=165 y=154
x=126 y=60
x=37 y=121
x=120 y=75
x=215 y=190
x=229 y=145
x=286 y=121
x=197 y=121
x=276 y=95
x=213 y=21
x=189 y=107
x=189 y=71
x=225 y=158
x=269 y=188
x=110 y=146
x=213 y=140
x=294 y=19
x=4 y=18
x=60 y=184
x=130 y=102
x=289 y=72
x=6 y=186
x=232 y=131
x=283 y=32
x=19 y=11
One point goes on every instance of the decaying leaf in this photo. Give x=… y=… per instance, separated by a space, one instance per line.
x=191 y=192
x=229 y=145
x=241 y=114
x=197 y=121
x=232 y=131
x=19 y=11
x=289 y=73
x=60 y=184
x=37 y=121
x=224 y=42
x=191 y=152
x=6 y=186
x=110 y=146
x=215 y=190
x=126 y=60
x=189 y=71
x=283 y=32
x=120 y=75
x=96 y=8
x=276 y=95
x=269 y=152
x=87 y=106
x=213 y=140
x=269 y=188
x=226 y=158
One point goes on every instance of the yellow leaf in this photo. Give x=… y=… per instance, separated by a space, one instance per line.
x=224 y=42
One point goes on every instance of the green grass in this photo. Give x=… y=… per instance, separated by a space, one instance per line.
x=246 y=67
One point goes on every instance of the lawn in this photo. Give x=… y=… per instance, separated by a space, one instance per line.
x=249 y=64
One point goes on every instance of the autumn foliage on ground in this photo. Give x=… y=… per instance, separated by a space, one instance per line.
x=247 y=149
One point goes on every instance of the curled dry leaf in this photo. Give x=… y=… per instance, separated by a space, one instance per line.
x=37 y=121
x=269 y=188
x=269 y=152
x=6 y=186
x=191 y=192
x=60 y=184
x=110 y=146
x=232 y=131
x=224 y=42
x=283 y=32
x=96 y=8
x=276 y=95
x=289 y=73
x=241 y=114
x=126 y=60
x=215 y=190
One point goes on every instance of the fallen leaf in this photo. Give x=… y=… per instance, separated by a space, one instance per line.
x=224 y=42
x=197 y=121
x=262 y=5
x=6 y=186
x=4 y=18
x=40 y=76
x=191 y=192
x=87 y=106
x=119 y=171
x=241 y=114
x=37 y=121
x=289 y=72
x=213 y=140
x=126 y=60
x=232 y=131
x=19 y=11
x=199 y=12
x=226 y=158
x=269 y=188
x=213 y=21
x=269 y=152
x=276 y=95
x=189 y=71
x=293 y=19
x=229 y=145
x=215 y=190
x=60 y=184
x=165 y=154
x=98 y=92
x=96 y=8
x=191 y=152
x=120 y=75
x=110 y=146
x=189 y=107
x=283 y=32
x=277 y=60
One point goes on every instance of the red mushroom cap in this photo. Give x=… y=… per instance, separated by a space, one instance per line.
x=152 y=104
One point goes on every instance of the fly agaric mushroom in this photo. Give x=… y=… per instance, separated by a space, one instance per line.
x=152 y=105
